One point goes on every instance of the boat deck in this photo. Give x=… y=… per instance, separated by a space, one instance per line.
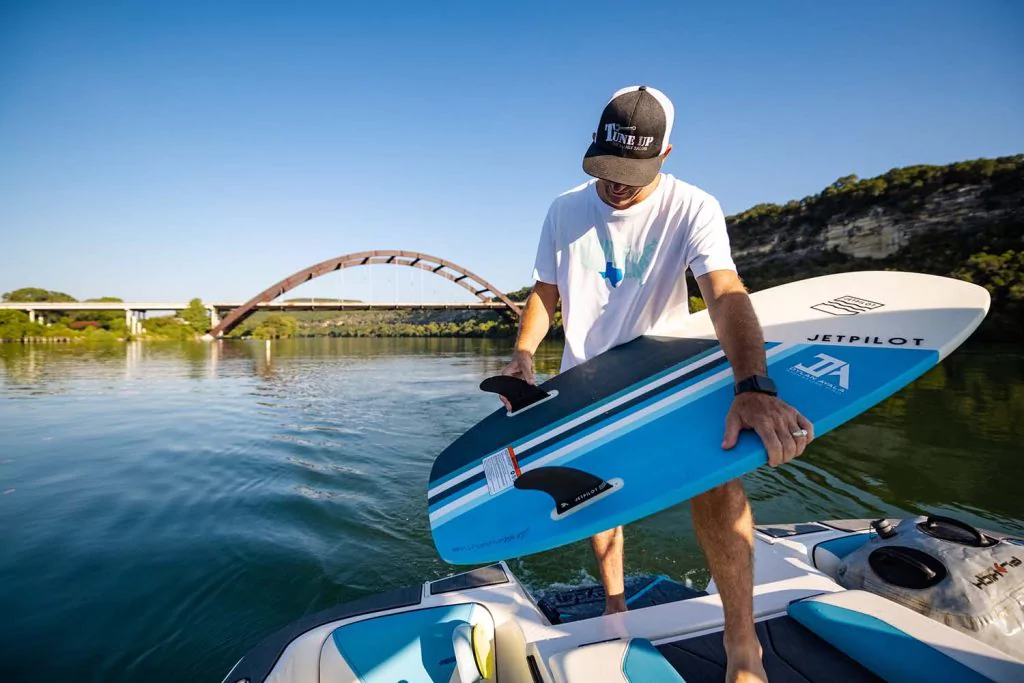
x=792 y=654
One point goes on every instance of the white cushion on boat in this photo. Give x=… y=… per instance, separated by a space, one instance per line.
x=333 y=667
x=509 y=640
x=474 y=652
x=897 y=643
x=466 y=670
x=616 y=661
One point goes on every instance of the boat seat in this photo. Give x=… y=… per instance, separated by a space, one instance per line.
x=828 y=555
x=452 y=643
x=626 y=661
x=898 y=644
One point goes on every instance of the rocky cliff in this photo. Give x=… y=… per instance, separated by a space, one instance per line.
x=964 y=219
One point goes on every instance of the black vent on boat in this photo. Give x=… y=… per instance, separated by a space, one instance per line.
x=907 y=567
x=478 y=578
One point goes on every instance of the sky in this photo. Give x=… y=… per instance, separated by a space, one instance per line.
x=165 y=150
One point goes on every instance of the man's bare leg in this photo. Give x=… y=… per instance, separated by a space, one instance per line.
x=608 y=552
x=725 y=529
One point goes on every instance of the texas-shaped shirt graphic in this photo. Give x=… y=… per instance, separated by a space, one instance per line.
x=612 y=274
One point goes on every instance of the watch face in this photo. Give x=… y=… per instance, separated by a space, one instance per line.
x=765 y=384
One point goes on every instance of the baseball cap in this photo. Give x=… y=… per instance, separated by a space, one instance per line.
x=631 y=137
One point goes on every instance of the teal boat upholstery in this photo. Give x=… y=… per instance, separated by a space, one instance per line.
x=828 y=555
x=436 y=645
x=898 y=644
x=616 y=661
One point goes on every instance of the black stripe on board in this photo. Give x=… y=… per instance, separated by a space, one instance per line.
x=588 y=383
x=526 y=455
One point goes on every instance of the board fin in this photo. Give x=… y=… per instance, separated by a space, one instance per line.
x=520 y=394
x=567 y=486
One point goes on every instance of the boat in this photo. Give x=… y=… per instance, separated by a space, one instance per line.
x=839 y=600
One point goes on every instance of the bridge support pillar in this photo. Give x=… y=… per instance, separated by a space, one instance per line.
x=214 y=318
x=133 y=322
x=31 y=315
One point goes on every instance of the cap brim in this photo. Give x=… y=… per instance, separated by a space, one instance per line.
x=634 y=172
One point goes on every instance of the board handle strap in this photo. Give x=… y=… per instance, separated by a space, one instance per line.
x=520 y=394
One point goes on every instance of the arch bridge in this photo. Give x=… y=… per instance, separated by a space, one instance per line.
x=482 y=289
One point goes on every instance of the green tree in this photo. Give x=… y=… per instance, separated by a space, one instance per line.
x=196 y=316
x=518 y=295
x=15 y=325
x=167 y=328
x=108 y=320
x=276 y=326
x=1003 y=276
x=35 y=294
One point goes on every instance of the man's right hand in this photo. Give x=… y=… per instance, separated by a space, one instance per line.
x=521 y=366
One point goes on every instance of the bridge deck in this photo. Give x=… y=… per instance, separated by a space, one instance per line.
x=312 y=305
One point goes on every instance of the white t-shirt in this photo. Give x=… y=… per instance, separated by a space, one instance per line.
x=621 y=274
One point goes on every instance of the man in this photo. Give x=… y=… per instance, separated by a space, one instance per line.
x=615 y=251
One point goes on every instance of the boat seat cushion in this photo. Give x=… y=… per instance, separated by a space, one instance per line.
x=898 y=644
x=448 y=643
x=828 y=555
x=626 y=661
x=474 y=653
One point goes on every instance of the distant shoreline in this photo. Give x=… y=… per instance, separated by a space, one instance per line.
x=962 y=220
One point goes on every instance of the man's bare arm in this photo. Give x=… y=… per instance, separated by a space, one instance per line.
x=740 y=334
x=735 y=322
x=533 y=326
x=537 y=317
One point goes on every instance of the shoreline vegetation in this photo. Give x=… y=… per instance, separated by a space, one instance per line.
x=973 y=213
x=93 y=326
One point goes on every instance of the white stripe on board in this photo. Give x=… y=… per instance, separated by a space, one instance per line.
x=547 y=436
x=608 y=429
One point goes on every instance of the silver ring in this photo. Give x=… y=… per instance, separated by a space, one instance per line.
x=799 y=432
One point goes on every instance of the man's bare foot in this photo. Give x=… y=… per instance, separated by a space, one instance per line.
x=614 y=604
x=753 y=673
x=744 y=664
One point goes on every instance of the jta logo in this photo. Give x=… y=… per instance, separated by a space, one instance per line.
x=828 y=371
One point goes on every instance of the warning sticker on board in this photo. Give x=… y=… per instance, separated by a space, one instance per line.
x=501 y=470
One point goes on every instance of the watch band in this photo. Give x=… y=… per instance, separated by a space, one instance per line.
x=757 y=384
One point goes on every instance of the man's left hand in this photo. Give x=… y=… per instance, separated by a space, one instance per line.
x=775 y=422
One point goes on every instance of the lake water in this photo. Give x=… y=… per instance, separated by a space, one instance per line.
x=163 y=507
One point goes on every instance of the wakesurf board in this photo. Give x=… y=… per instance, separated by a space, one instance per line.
x=639 y=428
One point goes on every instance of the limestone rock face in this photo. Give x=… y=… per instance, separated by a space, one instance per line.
x=879 y=233
x=838 y=230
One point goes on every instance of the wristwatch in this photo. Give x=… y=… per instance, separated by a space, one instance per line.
x=758 y=384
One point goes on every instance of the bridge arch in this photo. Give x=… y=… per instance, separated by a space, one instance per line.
x=466 y=279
